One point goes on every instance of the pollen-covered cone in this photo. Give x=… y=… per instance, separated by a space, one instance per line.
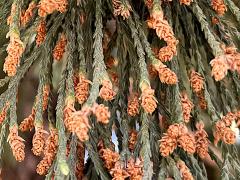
x=28 y=123
x=38 y=141
x=187 y=142
x=106 y=92
x=229 y=118
x=41 y=32
x=229 y=136
x=184 y=171
x=176 y=130
x=218 y=131
x=109 y=158
x=16 y=144
x=50 y=152
x=220 y=67
x=49 y=6
x=59 y=49
x=28 y=14
x=81 y=124
x=82 y=89
x=15 y=50
x=118 y=173
x=233 y=58
x=166 y=75
x=133 y=105
x=202 y=142
x=164 y=31
x=197 y=81
x=219 y=6
x=134 y=169
x=102 y=113
x=187 y=106
x=121 y=9
x=43 y=166
x=149 y=102
x=167 y=145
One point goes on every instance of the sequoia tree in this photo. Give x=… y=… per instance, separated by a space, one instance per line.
x=140 y=82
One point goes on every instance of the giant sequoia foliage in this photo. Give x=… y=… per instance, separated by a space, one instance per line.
x=154 y=73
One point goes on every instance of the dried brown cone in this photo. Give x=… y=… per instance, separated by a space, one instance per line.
x=27 y=15
x=187 y=142
x=59 y=49
x=106 y=92
x=50 y=152
x=118 y=173
x=109 y=158
x=81 y=124
x=3 y=113
x=167 y=145
x=185 y=2
x=28 y=123
x=16 y=144
x=102 y=113
x=38 y=141
x=68 y=112
x=114 y=77
x=132 y=139
x=111 y=62
x=49 y=6
x=106 y=39
x=79 y=167
x=41 y=32
x=184 y=171
x=149 y=102
x=68 y=148
x=167 y=76
x=152 y=71
x=82 y=89
x=149 y=3
x=202 y=142
x=201 y=100
x=80 y=161
x=220 y=67
x=15 y=50
x=197 y=81
x=219 y=6
x=133 y=105
x=187 y=106
x=134 y=169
